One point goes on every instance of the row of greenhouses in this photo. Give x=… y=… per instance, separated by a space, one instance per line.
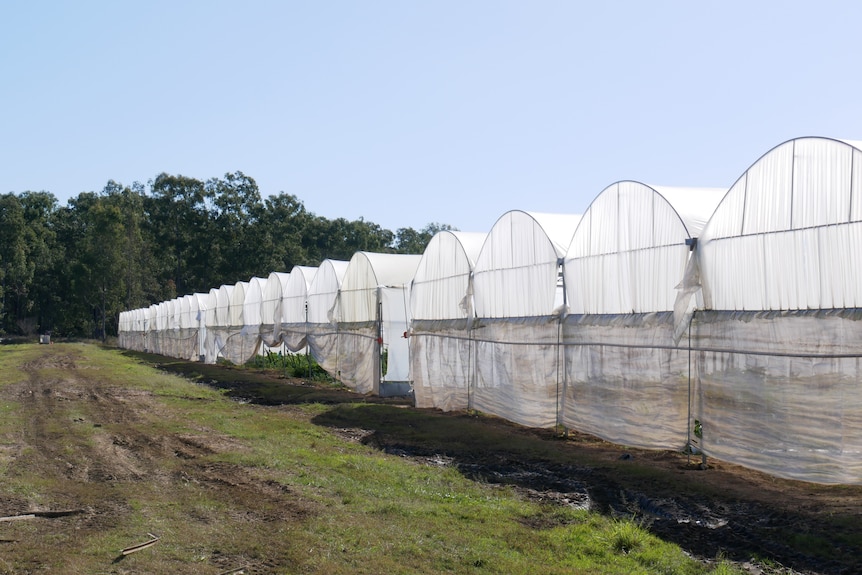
x=725 y=321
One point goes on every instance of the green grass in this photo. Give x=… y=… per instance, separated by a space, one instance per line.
x=356 y=510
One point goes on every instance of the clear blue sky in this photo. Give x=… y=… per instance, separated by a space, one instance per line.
x=406 y=113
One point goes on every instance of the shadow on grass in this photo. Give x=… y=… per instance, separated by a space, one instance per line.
x=691 y=508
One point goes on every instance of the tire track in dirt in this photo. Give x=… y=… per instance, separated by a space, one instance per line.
x=91 y=441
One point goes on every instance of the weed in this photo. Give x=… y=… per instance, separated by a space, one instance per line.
x=625 y=536
x=293 y=364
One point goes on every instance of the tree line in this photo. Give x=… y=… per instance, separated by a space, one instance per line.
x=72 y=269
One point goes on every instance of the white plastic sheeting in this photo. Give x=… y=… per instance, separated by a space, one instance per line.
x=517 y=270
x=795 y=217
x=193 y=325
x=322 y=330
x=372 y=316
x=125 y=330
x=629 y=251
x=167 y=336
x=518 y=297
x=236 y=306
x=243 y=341
x=777 y=348
x=294 y=314
x=778 y=391
x=441 y=305
x=209 y=348
x=251 y=305
x=270 y=309
x=624 y=379
x=219 y=330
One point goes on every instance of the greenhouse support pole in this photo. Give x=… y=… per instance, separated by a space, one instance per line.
x=307 y=351
x=561 y=351
x=690 y=399
x=688 y=426
x=378 y=339
x=472 y=367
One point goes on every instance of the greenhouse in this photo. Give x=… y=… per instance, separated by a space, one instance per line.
x=441 y=307
x=322 y=331
x=518 y=295
x=171 y=341
x=155 y=326
x=271 y=310
x=193 y=309
x=625 y=380
x=241 y=340
x=252 y=306
x=294 y=308
x=724 y=322
x=218 y=322
x=209 y=353
x=371 y=312
x=776 y=347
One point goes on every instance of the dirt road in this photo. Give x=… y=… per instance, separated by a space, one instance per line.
x=93 y=447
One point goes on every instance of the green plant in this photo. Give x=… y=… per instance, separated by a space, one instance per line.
x=296 y=365
x=625 y=536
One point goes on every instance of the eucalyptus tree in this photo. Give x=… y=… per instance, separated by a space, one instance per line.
x=178 y=221
x=16 y=269
x=43 y=253
x=91 y=228
x=281 y=232
x=236 y=210
x=138 y=259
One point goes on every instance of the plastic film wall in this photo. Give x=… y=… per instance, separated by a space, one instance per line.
x=518 y=295
x=441 y=305
x=625 y=379
x=779 y=345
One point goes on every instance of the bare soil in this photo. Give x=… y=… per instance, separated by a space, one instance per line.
x=83 y=475
x=765 y=524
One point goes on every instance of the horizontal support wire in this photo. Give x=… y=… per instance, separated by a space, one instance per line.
x=649 y=346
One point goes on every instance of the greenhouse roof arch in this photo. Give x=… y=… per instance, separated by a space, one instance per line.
x=442 y=281
x=188 y=308
x=630 y=249
x=174 y=310
x=323 y=290
x=223 y=299
x=154 y=317
x=237 y=304
x=295 y=294
x=785 y=233
x=366 y=272
x=516 y=272
x=251 y=305
x=271 y=297
x=212 y=304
